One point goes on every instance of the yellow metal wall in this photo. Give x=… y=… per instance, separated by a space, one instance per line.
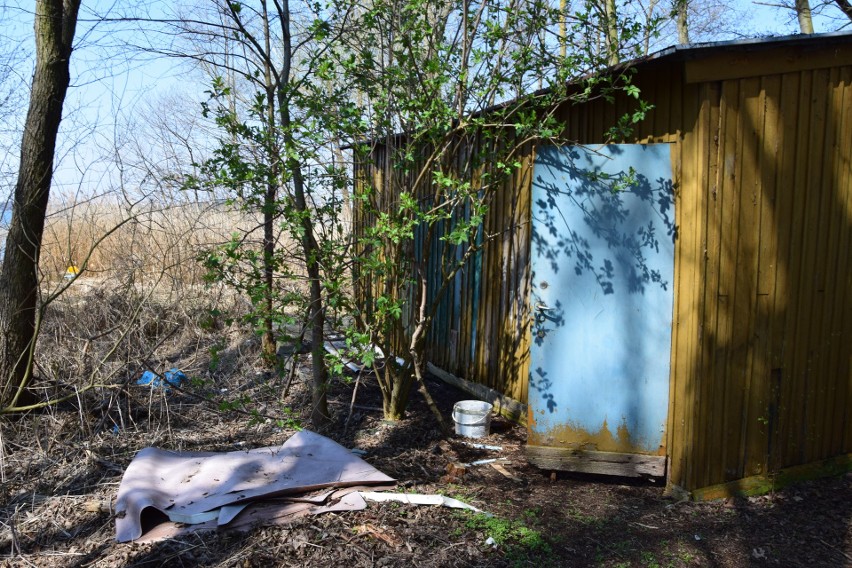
x=481 y=332
x=761 y=360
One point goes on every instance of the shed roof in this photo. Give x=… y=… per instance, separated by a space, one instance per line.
x=750 y=57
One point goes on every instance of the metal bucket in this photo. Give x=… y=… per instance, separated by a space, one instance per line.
x=472 y=418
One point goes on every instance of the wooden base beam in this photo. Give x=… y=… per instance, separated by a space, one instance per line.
x=602 y=463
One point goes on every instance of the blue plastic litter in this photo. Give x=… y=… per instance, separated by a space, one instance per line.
x=171 y=378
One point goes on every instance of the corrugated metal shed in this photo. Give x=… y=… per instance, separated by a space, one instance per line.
x=760 y=387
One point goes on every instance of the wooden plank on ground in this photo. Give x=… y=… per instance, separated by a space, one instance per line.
x=505 y=472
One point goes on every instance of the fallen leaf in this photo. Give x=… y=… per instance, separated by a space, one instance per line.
x=385 y=535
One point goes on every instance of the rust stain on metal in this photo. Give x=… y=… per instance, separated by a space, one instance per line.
x=576 y=438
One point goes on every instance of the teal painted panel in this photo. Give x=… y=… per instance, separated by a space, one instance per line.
x=602 y=266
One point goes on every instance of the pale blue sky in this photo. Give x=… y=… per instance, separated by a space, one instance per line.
x=111 y=84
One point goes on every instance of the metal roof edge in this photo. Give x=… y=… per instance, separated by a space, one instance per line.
x=760 y=42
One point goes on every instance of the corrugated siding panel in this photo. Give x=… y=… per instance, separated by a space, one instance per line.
x=772 y=369
x=838 y=306
x=810 y=338
x=841 y=326
x=828 y=275
x=792 y=363
x=763 y=398
x=688 y=172
x=702 y=194
x=750 y=429
x=787 y=215
x=480 y=329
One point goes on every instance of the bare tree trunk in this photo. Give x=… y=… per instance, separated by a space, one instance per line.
x=682 y=8
x=803 y=11
x=395 y=404
x=268 y=343
x=649 y=18
x=316 y=312
x=418 y=339
x=55 y=24
x=279 y=87
x=319 y=372
x=611 y=32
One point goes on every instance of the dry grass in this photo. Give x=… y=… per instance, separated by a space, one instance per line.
x=141 y=301
x=117 y=240
x=57 y=462
x=142 y=290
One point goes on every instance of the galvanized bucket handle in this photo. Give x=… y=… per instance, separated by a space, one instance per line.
x=480 y=423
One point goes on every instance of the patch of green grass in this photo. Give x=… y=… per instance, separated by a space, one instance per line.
x=650 y=560
x=215 y=357
x=519 y=541
x=666 y=557
x=584 y=519
x=460 y=492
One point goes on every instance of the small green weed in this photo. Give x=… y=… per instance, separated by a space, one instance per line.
x=584 y=519
x=517 y=539
x=649 y=560
x=667 y=558
x=459 y=492
x=215 y=357
x=239 y=404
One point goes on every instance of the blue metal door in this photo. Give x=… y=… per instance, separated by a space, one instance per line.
x=602 y=255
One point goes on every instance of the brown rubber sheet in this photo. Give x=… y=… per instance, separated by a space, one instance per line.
x=184 y=491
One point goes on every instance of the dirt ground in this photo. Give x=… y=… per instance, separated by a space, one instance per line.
x=59 y=465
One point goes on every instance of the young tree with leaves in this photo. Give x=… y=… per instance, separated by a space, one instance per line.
x=272 y=161
x=452 y=109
